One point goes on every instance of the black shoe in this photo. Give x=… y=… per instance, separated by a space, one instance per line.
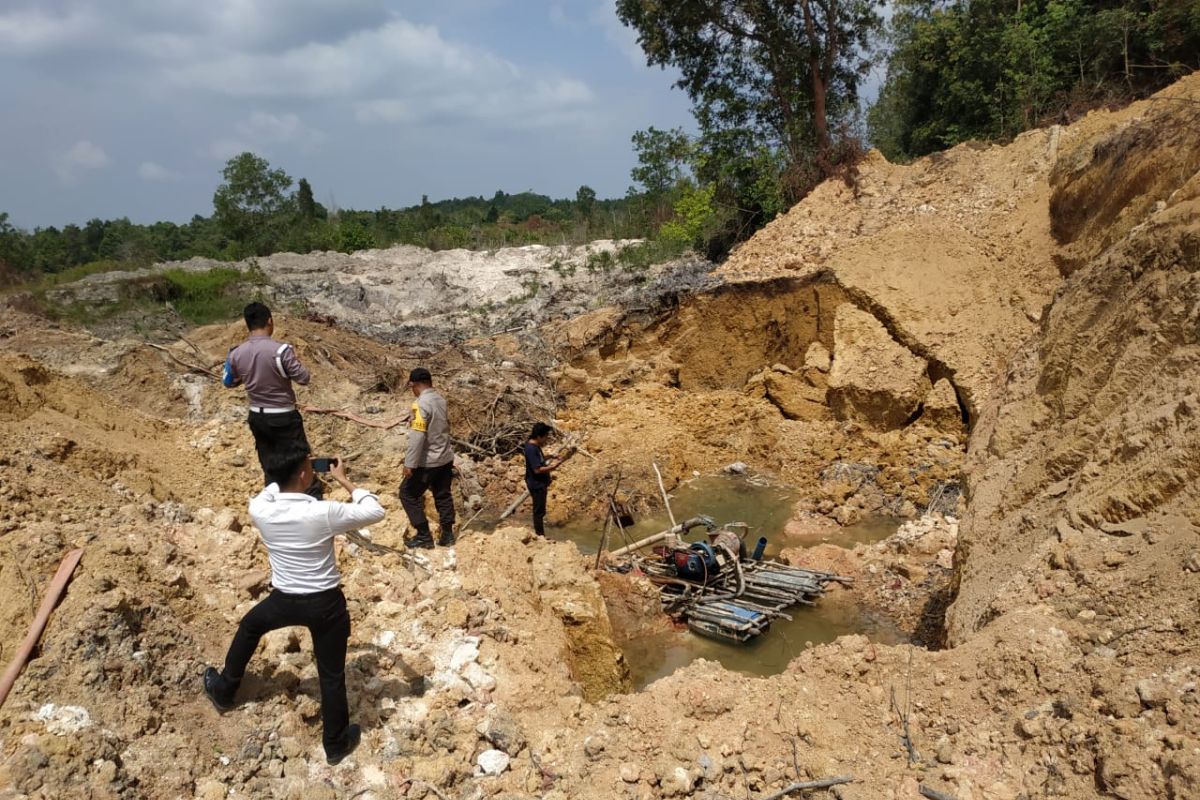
x=421 y=542
x=350 y=741
x=211 y=679
x=447 y=539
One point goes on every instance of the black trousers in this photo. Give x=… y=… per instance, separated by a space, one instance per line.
x=412 y=497
x=328 y=621
x=537 y=493
x=273 y=430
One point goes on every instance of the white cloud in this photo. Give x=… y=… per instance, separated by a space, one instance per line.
x=83 y=156
x=225 y=148
x=399 y=72
x=33 y=30
x=539 y=104
x=604 y=17
x=263 y=132
x=264 y=128
x=363 y=60
x=150 y=171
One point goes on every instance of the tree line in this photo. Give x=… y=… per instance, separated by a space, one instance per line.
x=989 y=69
x=776 y=90
x=776 y=85
x=259 y=209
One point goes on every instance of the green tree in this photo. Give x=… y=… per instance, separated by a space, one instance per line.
x=585 y=201
x=305 y=204
x=784 y=72
x=662 y=159
x=14 y=248
x=252 y=205
x=695 y=217
x=662 y=165
x=353 y=235
x=988 y=69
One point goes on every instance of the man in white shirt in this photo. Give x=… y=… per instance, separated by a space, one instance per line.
x=298 y=531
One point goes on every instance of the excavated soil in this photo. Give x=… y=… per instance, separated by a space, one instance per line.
x=1040 y=296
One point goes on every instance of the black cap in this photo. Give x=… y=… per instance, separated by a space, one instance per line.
x=420 y=375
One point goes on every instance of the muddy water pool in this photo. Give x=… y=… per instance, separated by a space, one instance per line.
x=765 y=508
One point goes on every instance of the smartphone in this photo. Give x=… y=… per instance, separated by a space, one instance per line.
x=323 y=464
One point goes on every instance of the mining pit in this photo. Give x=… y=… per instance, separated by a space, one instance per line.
x=967 y=383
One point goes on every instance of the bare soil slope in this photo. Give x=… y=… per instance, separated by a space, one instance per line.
x=1071 y=671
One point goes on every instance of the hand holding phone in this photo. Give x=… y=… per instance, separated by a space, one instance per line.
x=323 y=464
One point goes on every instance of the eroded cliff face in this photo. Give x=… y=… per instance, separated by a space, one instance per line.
x=1089 y=453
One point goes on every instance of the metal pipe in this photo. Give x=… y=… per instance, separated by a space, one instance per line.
x=674 y=530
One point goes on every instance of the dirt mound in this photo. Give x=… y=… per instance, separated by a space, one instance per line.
x=953 y=253
x=408 y=293
x=492 y=670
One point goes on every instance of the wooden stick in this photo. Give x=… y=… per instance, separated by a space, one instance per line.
x=370 y=423
x=374 y=547
x=933 y=794
x=824 y=783
x=469 y=446
x=464 y=530
x=508 y=512
x=603 y=539
x=178 y=360
x=57 y=585
x=666 y=500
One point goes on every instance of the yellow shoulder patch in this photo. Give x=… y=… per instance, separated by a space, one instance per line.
x=418 y=422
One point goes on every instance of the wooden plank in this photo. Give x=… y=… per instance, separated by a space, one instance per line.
x=57 y=585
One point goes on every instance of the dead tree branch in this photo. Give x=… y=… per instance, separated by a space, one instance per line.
x=824 y=783
x=191 y=367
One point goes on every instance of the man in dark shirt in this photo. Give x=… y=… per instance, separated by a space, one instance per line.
x=267 y=369
x=537 y=473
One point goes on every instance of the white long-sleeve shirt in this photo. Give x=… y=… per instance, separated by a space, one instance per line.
x=298 y=531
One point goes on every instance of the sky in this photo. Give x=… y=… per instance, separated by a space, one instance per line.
x=112 y=108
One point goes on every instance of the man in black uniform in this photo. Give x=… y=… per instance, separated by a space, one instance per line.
x=537 y=473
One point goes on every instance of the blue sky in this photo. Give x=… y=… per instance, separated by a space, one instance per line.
x=130 y=107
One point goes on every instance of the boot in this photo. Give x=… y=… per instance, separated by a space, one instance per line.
x=447 y=538
x=345 y=747
x=222 y=701
x=422 y=541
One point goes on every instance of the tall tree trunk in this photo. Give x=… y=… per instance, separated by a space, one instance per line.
x=815 y=66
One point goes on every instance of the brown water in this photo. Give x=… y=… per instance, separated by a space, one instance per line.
x=766 y=509
x=654 y=657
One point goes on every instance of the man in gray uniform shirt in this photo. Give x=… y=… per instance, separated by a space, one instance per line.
x=267 y=368
x=429 y=463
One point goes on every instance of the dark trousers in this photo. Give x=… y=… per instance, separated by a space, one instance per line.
x=328 y=621
x=537 y=493
x=412 y=497
x=274 y=430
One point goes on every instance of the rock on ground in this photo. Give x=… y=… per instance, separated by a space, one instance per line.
x=873 y=378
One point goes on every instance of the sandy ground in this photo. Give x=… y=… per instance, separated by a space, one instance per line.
x=1070 y=670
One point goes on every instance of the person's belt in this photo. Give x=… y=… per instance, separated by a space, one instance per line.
x=265 y=410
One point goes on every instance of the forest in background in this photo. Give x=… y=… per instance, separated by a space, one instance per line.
x=776 y=92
